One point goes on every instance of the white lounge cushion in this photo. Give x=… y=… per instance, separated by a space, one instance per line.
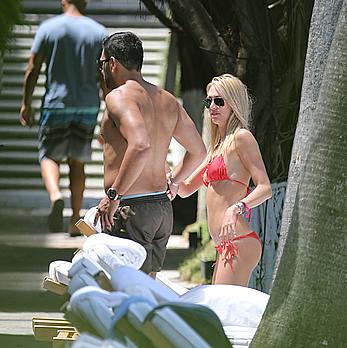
x=84 y=272
x=81 y=280
x=58 y=271
x=134 y=282
x=129 y=252
x=89 y=341
x=85 y=264
x=234 y=305
x=107 y=251
x=178 y=289
x=95 y=307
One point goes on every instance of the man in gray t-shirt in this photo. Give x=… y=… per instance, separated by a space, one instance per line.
x=69 y=44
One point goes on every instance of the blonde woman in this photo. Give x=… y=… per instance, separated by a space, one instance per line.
x=232 y=160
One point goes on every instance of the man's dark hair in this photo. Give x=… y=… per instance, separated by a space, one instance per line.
x=80 y=4
x=125 y=47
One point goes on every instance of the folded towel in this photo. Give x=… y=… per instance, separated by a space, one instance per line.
x=58 y=271
x=127 y=251
x=89 y=219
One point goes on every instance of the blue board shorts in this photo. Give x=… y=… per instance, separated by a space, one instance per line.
x=67 y=133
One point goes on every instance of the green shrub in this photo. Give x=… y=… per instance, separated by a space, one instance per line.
x=9 y=15
x=190 y=268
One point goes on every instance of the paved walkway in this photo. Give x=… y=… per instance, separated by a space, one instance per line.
x=26 y=249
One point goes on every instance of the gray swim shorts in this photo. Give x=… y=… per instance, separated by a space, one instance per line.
x=148 y=220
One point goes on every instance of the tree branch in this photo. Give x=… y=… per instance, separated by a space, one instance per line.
x=154 y=9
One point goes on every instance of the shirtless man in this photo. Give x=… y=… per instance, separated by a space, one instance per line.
x=139 y=122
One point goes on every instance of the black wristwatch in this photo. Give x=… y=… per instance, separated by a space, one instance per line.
x=112 y=194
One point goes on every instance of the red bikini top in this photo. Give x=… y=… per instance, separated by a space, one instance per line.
x=216 y=171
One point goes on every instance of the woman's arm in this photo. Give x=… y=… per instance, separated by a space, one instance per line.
x=248 y=150
x=192 y=183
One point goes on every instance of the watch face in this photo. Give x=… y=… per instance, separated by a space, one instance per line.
x=111 y=194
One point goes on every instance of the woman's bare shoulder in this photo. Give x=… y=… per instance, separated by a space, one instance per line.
x=244 y=137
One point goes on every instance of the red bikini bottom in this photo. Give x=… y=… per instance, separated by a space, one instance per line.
x=230 y=249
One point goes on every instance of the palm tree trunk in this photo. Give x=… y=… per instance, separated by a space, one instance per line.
x=323 y=24
x=308 y=306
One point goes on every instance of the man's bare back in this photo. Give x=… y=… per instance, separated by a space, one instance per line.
x=154 y=109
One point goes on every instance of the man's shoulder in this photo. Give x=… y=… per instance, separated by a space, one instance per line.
x=62 y=19
x=94 y=23
x=47 y=23
x=165 y=95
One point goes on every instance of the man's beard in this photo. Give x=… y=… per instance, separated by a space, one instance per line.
x=110 y=84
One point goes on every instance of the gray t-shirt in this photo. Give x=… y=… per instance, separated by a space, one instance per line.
x=71 y=46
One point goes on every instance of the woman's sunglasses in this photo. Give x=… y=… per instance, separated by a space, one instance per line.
x=218 y=102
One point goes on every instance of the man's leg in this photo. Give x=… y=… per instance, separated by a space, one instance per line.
x=77 y=185
x=50 y=175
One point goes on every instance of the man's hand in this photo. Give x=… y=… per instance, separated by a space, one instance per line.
x=105 y=212
x=25 y=116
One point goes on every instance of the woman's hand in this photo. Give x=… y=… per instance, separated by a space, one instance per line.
x=172 y=190
x=105 y=211
x=229 y=224
x=173 y=187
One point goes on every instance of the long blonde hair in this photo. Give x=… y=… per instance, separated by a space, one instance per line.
x=235 y=93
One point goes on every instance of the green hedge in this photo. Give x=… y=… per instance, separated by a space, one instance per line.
x=9 y=15
x=190 y=268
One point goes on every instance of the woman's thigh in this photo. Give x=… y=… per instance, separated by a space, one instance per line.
x=239 y=271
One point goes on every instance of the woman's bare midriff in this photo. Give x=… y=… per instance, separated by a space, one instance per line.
x=221 y=195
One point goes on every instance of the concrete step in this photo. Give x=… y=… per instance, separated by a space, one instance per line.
x=14 y=105
x=16 y=92
x=20 y=144
x=19 y=58
x=92 y=170
x=152 y=73
x=108 y=20
x=10 y=132
x=25 y=183
x=17 y=80
x=25 y=33
x=97 y=156
x=12 y=157
x=31 y=144
x=9 y=118
x=15 y=130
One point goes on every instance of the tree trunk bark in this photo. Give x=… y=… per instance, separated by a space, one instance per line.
x=308 y=306
x=201 y=28
x=323 y=24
